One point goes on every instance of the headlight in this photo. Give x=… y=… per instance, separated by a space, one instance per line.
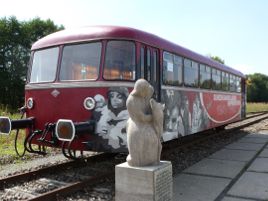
x=89 y=103
x=30 y=103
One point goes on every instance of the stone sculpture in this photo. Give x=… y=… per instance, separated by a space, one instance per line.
x=144 y=131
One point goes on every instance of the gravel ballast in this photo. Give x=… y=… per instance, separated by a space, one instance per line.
x=106 y=189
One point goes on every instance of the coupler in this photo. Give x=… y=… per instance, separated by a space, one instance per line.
x=66 y=130
x=6 y=125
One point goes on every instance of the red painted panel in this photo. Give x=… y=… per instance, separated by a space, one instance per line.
x=221 y=108
x=69 y=104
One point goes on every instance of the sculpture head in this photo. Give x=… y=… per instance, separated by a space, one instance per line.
x=142 y=89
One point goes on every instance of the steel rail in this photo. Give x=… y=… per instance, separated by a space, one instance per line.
x=34 y=174
x=257 y=112
x=254 y=115
x=64 y=191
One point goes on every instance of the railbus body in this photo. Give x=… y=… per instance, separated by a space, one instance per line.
x=79 y=80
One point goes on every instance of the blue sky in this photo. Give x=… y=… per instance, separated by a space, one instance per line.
x=234 y=30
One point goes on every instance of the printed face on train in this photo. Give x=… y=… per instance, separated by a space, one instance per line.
x=116 y=99
x=172 y=119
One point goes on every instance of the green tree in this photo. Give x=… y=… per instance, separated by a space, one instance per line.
x=216 y=58
x=257 y=91
x=16 y=39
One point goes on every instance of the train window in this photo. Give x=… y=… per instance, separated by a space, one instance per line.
x=119 y=60
x=155 y=66
x=168 y=56
x=232 y=83
x=44 y=65
x=80 y=62
x=205 y=76
x=238 y=84
x=148 y=64
x=195 y=65
x=225 y=81
x=178 y=60
x=216 y=79
x=202 y=68
x=190 y=73
x=187 y=63
x=142 y=62
x=172 y=71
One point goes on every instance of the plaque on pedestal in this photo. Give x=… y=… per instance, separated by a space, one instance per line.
x=143 y=183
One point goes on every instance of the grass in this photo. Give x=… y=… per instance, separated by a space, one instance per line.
x=257 y=107
x=7 y=146
x=7 y=142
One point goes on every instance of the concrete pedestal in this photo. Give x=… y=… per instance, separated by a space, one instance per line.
x=143 y=183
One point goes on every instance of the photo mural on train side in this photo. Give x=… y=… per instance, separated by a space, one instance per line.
x=184 y=114
x=111 y=116
x=190 y=112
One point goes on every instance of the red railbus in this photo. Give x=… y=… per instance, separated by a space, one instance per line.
x=79 y=80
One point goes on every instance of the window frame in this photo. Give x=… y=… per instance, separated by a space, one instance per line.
x=233 y=77
x=225 y=76
x=135 y=59
x=57 y=64
x=148 y=58
x=207 y=72
x=174 y=63
x=99 y=69
x=155 y=65
x=192 y=67
x=29 y=71
x=216 y=74
x=142 y=73
x=239 y=84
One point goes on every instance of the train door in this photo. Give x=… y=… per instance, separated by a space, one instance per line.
x=149 y=68
x=152 y=65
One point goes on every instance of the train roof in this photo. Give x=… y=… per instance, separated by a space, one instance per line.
x=107 y=32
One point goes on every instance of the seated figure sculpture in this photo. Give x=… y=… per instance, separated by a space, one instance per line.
x=144 y=131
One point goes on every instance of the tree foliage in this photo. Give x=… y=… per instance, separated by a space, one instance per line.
x=257 y=90
x=16 y=39
x=216 y=58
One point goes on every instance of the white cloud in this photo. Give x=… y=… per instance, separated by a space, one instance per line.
x=244 y=68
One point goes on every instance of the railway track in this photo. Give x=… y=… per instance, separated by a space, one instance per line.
x=40 y=185
x=256 y=112
x=49 y=187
